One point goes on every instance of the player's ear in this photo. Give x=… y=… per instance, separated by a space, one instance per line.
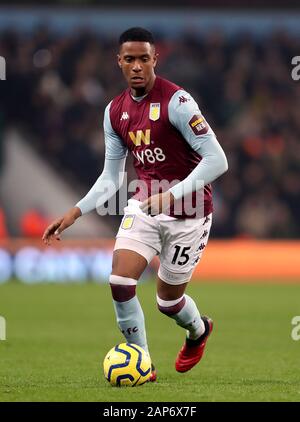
x=119 y=60
x=155 y=59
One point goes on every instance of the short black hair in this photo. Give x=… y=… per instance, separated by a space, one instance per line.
x=136 y=34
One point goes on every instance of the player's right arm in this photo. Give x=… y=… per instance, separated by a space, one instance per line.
x=108 y=183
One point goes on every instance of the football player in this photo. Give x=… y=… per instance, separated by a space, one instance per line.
x=176 y=157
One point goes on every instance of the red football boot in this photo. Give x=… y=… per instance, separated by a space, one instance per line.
x=153 y=375
x=192 y=350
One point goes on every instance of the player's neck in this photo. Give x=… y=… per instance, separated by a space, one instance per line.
x=141 y=92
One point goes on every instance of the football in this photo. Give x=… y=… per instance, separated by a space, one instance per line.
x=127 y=364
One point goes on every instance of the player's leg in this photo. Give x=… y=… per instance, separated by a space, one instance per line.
x=127 y=268
x=138 y=241
x=173 y=302
x=128 y=265
x=178 y=259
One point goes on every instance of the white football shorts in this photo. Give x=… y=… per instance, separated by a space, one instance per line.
x=178 y=242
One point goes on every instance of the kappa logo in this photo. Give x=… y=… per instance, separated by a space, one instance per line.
x=183 y=99
x=205 y=233
x=125 y=116
x=196 y=260
x=139 y=136
x=207 y=220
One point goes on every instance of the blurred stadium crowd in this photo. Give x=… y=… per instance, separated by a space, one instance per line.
x=58 y=87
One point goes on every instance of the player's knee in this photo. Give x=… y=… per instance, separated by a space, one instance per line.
x=122 y=288
x=170 y=307
x=126 y=265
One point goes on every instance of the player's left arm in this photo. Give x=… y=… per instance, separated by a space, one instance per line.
x=184 y=114
x=188 y=119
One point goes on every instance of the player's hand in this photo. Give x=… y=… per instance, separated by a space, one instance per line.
x=59 y=225
x=157 y=204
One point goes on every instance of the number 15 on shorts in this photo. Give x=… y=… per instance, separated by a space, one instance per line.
x=181 y=256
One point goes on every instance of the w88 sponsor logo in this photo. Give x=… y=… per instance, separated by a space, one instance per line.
x=149 y=156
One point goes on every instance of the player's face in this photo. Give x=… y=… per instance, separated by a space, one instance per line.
x=137 y=60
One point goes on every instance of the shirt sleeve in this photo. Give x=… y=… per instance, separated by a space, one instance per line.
x=185 y=115
x=107 y=184
x=112 y=176
x=114 y=146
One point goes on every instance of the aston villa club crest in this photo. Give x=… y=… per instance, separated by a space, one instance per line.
x=154 y=111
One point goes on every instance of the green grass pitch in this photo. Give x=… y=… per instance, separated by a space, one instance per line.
x=58 y=335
